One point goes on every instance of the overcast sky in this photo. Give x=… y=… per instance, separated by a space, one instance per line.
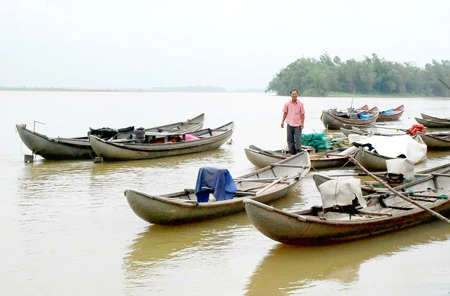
x=235 y=44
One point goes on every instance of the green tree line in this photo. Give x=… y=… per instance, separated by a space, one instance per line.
x=371 y=76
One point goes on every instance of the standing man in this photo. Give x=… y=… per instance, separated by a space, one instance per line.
x=294 y=115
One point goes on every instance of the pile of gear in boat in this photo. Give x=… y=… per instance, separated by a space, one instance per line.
x=321 y=142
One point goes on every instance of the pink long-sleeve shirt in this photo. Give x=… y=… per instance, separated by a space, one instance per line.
x=294 y=113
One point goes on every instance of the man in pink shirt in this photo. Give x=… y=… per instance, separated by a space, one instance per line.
x=294 y=115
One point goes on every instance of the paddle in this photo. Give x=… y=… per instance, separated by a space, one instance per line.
x=396 y=192
x=270 y=185
x=355 y=174
x=391 y=128
x=253 y=147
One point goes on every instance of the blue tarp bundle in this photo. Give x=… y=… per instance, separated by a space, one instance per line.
x=216 y=181
x=388 y=112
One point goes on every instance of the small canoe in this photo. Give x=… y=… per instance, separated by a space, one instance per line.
x=435 y=141
x=264 y=185
x=334 y=119
x=432 y=123
x=152 y=146
x=382 y=213
x=391 y=114
x=368 y=131
x=430 y=117
x=80 y=147
x=373 y=151
x=321 y=160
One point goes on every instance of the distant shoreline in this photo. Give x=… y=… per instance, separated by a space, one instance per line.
x=198 y=90
x=154 y=89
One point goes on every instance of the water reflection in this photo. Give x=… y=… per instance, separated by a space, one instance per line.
x=218 y=157
x=288 y=269
x=160 y=175
x=41 y=179
x=165 y=258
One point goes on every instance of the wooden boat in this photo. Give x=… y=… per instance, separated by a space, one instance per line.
x=432 y=123
x=435 y=141
x=373 y=151
x=334 y=119
x=80 y=147
x=156 y=146
x=383 y=212
x=264 y=185
x=390 y=114
x=430 y=117
x=347 y=130
x=333 y=158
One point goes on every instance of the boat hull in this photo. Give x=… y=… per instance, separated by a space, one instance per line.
x=331 y=121
x=395 y=114
x=433 y=123
x=290 y=229
x=182 y=207
x=386 y=148
x=261 y=158
x=435 y=142
x=307 y=228
x=429 y=117
x=80 y=147
x=113 y=151
x=55 y=148
x=370 y=160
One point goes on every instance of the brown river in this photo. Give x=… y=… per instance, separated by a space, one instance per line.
x=66 y=227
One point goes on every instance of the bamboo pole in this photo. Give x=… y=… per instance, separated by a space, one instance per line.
x=396 y=192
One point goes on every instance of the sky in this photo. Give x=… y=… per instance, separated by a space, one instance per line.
x=234 y=44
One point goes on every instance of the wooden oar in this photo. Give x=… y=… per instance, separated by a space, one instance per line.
x=412 y=193
x=355 y=174
x=256 y=180
x=396 y=192
x=270 y=185
x=290 y=165
x=253 y=147
x=391 y=128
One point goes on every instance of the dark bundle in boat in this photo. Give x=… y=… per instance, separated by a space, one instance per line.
x=108 y=133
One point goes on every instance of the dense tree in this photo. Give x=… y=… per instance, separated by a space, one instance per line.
x=372 y=75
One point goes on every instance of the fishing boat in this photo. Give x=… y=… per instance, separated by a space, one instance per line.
x=430 y=117
x=346 y=215
x=80 y=147
x=391 y=114
x=160 y=145
x=435 y=141
x=373 y=151
x=223 y=193
x=335 y=119
x=433 y=122
x=369 y=131
x=320 y=160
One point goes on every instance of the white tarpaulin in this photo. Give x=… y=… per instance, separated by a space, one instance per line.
x=394 y=146
x=401 y=166
x=341 y=192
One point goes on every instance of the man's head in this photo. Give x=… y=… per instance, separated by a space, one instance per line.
x=294 y=94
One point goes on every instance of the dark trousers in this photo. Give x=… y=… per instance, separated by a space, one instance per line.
x=294 y=138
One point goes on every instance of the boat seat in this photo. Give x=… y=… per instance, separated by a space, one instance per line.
x=240 y=193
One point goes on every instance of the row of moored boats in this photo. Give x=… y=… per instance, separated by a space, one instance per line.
x=351 y=209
